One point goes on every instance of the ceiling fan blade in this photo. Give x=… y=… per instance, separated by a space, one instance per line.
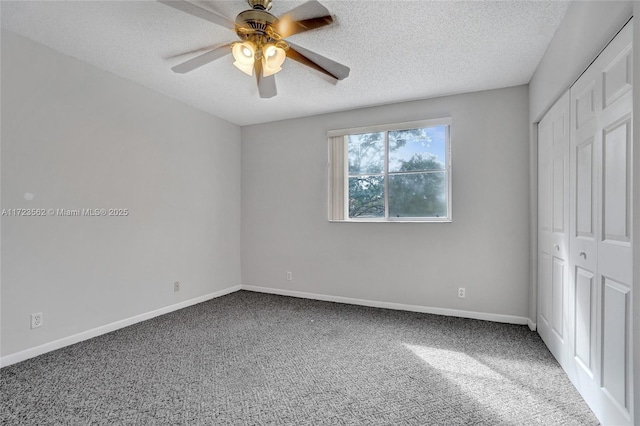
x=318 y=62
x=310 y=9
x=200 y=49
x=288 y=28
x=203 y=59
x=308 y=16
x=266 y=85
x=198 y=11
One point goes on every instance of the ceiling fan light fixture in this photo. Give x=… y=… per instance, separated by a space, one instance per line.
x=272 y=59
x=244 y=54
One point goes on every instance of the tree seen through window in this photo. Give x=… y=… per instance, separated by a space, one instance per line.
x=410 y=165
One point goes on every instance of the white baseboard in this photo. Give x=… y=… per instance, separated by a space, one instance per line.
x=86 y=335
x=510 y=319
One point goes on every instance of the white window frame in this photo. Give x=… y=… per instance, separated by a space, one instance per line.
x=386 y=128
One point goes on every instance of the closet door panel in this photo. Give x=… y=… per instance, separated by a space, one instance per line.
x=615 y=376
x=553 y=227
x=585 y=319
x=544 y=289
x=559 y=272
x=617 y=77
x=616 y=182
x=600 y=232
x=585 y=191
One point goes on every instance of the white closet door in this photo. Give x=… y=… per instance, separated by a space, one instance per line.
x=553 y=226
x=600 y=245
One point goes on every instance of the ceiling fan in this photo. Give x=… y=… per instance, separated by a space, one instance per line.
x=262 y=48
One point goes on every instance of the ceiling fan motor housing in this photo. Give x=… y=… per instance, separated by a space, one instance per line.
x=258 y=25
x=260 y=4
x=256 y=20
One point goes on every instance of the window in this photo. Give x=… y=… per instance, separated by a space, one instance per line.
x=390 y=173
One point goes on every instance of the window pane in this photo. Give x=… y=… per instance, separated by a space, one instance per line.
x=418 y=149
x=366 y=196
x=366 y=153
x=418 y=195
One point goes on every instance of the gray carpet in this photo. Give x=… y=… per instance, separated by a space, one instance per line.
x=257 y=359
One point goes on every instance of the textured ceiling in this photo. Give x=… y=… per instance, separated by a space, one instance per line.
x=397 y=50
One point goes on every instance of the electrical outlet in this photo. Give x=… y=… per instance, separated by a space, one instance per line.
x=36 y=320
x=461 y=292
x=289 y=276
x=176 y=286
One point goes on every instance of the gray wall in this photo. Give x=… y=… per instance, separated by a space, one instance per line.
x=485 y=249
x=585 y=30
x=78 y=137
